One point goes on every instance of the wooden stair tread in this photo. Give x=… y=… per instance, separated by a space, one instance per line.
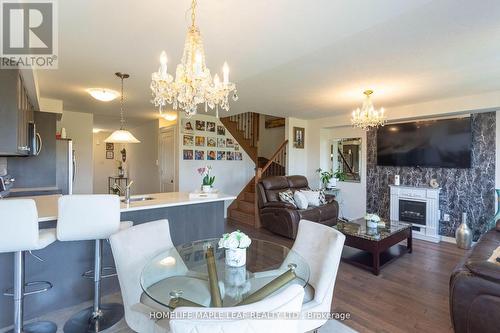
x=246 y=206
x=241 y=216
x=248 y=196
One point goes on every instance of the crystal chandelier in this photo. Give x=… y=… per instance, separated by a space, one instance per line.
x=193 y=84
x=367 y=117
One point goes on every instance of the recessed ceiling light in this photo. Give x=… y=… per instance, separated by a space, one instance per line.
x=103 y=94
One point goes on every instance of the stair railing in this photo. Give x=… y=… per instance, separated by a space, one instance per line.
x=248 y=124
x=276 y=166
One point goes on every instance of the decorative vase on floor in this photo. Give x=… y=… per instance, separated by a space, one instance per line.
x=236 y=257
x=496 y=218
x=463 y=235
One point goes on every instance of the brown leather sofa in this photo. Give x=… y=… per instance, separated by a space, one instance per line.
x=475 y=289
x=283 y=218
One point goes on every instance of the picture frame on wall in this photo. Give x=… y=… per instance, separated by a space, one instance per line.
x=199 y=155
x=187 y=154
x=199 y=141
x=298 y=137
x=211 y=155
x=221 y=130
x=238 y=156
x=200 y=125
x=188 y=140
x=221 y=155
x=210 y=126
x=211 y=142
x=221 y=142
x=110 y=154
x=236 y=147
x=110 y=146
x=187 y=126
x=229 y=143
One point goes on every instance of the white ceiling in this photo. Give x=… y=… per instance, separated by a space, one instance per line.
x=303 y=58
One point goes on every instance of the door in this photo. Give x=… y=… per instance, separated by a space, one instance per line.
x=167 y=158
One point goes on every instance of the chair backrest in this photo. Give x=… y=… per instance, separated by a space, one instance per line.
x=19 y=223
x=132 y=248
x=321 y=247
x=190 y=319
x=88 y=217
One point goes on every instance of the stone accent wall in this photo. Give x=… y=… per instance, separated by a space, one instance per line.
x=463 y=190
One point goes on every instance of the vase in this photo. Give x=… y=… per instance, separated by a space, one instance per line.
x=332 y=183
x=463 y=234
x=371 y=224
x=496 y=218
x=206 y=188
x=236 y=257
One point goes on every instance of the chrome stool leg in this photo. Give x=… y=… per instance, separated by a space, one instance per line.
x=99 y=316
x=35 y=327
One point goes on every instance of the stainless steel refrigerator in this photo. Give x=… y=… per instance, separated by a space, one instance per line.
x=65 y=166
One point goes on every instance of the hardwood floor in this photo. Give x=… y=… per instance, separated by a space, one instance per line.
x=409 y=295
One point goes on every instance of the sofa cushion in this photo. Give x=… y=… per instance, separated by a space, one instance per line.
x=327 y=212
x=300 y=200
x=287 y=196
x=312 y=197
x=311 y=214
x=297 y=182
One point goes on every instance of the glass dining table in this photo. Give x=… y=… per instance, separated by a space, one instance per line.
x=195 y=274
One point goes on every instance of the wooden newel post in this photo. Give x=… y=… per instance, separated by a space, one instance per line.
x=258 y=177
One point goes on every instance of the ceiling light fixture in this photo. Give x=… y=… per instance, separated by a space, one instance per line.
x=367 y=117
x=193 y=84
x=171 y=116
x=122 y=135
x=103 y=94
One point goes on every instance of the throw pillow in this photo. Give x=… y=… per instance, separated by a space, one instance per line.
x=300 y=200
x=287 y=196
x=312 y=197
x=322 y=197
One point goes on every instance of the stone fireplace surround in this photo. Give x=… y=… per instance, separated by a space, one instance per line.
x=430 y=196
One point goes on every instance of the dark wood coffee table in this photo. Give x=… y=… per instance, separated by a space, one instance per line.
x=372 y=248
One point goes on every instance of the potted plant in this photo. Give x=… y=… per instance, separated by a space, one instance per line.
x=207 y=180
x=340 y=175
x=372 y=220
x=236 y=244
x=327 y=178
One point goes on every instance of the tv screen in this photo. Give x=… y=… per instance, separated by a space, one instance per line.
x=438 y=143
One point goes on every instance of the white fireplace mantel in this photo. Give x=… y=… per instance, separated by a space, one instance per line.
x=430 y=196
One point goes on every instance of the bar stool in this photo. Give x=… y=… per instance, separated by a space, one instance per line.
x=91 y=217
x=20 y=234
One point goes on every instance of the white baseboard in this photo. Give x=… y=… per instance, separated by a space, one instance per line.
x=417 y=235
x=449 y=239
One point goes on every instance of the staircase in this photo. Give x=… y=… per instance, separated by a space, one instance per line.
x=245 y=129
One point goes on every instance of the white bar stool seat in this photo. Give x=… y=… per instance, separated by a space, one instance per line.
x=91 y=217
x=19 y=234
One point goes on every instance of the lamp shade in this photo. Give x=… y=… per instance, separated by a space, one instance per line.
x=121 y=136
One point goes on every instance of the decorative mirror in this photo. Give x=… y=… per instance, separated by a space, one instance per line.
x=345 y=156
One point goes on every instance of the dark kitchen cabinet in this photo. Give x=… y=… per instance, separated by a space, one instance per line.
x=16 y=112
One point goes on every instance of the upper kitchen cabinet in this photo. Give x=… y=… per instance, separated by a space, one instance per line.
x=16 y=114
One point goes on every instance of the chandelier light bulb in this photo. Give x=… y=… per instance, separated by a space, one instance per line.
x=216 y=80
x=163 y=58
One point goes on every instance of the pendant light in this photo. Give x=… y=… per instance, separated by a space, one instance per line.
x=122 y=135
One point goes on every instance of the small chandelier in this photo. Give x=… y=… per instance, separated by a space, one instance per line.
x=122 y=135
x=193 y=84
x=367 y=117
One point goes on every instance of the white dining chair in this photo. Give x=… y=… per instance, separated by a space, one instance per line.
x=321 y=246
x=230 y=319
x=132 y=249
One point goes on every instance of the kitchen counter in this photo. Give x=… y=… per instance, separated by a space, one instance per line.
x=64 y=262
x=47 y=204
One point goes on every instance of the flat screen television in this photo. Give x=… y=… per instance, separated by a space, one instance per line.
x=444 y=143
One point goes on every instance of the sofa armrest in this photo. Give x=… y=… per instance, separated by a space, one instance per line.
x=278 y=204
x=330 y=198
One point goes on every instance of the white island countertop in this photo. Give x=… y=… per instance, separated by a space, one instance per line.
x=47 y=204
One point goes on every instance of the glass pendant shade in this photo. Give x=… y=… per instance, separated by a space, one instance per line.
x=121 y=136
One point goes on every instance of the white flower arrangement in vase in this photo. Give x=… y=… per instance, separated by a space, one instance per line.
x=372 y=220
x=236 y=244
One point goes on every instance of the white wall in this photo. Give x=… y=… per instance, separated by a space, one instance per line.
x=230 y=176
x=78 y=127
x=103 y=167
x=297 y=163
x=269 y=138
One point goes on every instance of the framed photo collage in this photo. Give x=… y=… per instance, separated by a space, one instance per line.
x=207 y=140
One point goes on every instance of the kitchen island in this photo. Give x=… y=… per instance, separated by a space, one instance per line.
x=65 y=262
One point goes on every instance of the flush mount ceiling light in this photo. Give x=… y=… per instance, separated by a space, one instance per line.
x=367 y=117
x=193 y=84
x=122 y=135
x=103 y=94
x=169 y=116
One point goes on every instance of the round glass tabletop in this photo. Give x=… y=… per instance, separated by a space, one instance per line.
x=195 y=274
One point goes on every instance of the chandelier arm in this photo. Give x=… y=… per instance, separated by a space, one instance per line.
x=193 y=12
